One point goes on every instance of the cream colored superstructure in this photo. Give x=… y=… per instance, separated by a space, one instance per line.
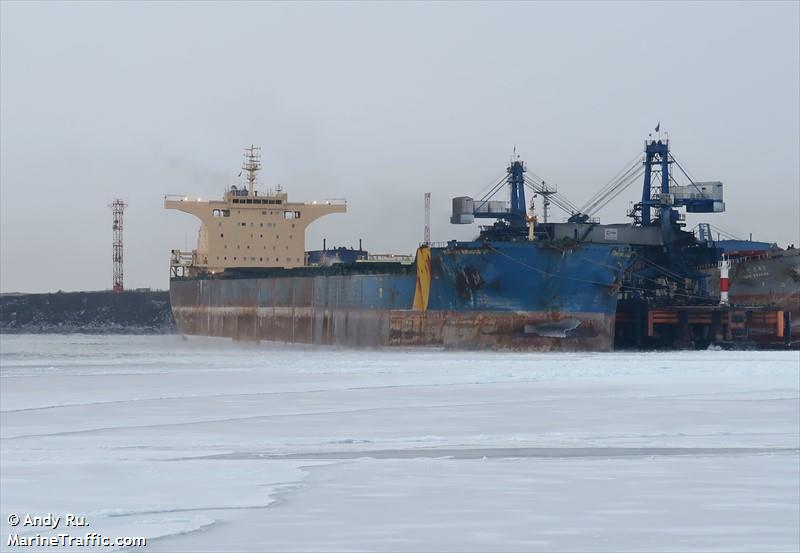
x=246 y=229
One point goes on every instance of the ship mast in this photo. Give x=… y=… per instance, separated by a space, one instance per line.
x=251 y=165
x=545 y=191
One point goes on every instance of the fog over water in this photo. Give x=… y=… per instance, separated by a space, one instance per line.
x=377 y=103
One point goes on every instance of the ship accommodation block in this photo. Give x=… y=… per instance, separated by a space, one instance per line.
x=251 y=231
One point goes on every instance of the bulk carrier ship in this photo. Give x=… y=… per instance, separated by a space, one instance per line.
x=522 y=284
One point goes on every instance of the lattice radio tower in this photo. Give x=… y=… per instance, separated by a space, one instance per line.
x=427 y=218
x=118 y=207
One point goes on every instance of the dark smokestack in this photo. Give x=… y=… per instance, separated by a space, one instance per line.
x=324 y=242
x=359 y=244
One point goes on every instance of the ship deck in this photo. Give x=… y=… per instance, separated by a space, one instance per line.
x=358 y=268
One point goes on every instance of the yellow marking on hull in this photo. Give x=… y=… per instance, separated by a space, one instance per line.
x=422 y=291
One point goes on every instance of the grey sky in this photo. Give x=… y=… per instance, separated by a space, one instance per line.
x=377 y=103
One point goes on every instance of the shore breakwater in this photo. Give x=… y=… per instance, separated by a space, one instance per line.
x=104 y=312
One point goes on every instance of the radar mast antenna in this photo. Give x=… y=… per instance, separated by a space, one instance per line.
x=251 y=165
x=546 y=191
x=427 y=238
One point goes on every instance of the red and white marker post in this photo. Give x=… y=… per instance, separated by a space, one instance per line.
x=724 y=284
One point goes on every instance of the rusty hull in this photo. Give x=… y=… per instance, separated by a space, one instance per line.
x=399 y=327
x=379 y=328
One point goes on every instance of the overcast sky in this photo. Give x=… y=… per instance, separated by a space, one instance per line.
x=377 y=103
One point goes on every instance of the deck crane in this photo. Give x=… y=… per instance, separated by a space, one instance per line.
x=511 y=215
x=656 y=221
x=669 y=265
x=660 y=191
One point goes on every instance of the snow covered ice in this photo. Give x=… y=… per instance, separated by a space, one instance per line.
x=201 y=444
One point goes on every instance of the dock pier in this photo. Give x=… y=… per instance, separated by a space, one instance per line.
x=699 y=326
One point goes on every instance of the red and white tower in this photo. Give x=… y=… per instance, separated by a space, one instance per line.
x=118 y=207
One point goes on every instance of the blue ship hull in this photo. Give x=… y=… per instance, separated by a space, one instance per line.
x=526 y=276
x=485 y=295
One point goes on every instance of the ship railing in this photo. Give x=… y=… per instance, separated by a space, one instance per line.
x=388 y=258
x=183 y=258
x=334 y=201
x=181 y=262
x=733 y=261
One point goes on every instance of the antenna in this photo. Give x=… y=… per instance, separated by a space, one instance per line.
x=251 y=165
x=427 y=239
x=546 y=192
x=118 y=208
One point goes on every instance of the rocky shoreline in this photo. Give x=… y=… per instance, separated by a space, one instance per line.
x=104 y=312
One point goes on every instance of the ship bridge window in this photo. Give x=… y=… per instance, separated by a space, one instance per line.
x=291 y=214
